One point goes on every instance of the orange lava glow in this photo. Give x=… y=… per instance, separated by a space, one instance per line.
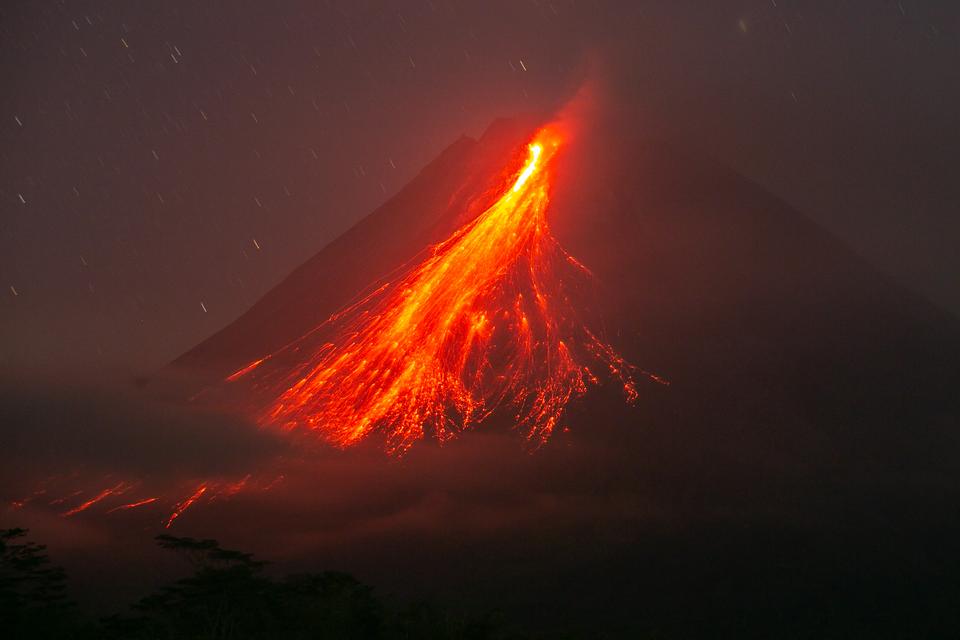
x=184 y=505
x=122 y=496
x=106 y=493
x=133 y=505
x=487 y=322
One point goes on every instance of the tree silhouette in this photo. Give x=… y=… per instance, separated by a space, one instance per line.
x=227 y=597
x=328 y=605
x=33 y=598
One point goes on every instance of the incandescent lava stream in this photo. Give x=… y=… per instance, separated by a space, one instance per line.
x=491 y=320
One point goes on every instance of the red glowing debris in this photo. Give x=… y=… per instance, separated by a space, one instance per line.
x=133 y=505
x=183 y=506
x=487 y=321
x=115 y=490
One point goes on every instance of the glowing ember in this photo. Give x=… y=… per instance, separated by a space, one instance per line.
x=133 y=505
x=488 y=321
x=186 y=504
x=231 y=489
x=65 y=498
x=220 y=488
x=106 y=493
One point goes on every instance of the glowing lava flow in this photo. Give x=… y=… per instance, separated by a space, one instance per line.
x=133 y=505
x=106 y=493
x=122 y=496
x=186 y=504
x=487 y=321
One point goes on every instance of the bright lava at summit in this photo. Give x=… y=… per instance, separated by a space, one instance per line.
x=488 y=322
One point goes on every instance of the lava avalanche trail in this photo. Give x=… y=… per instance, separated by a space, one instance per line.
x=488 y=321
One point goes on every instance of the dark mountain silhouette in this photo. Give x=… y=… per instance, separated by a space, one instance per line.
x=706 y=278
x=426 y=211
x=804 y=457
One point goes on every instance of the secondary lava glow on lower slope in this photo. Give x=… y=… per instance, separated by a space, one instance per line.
x=487 y=322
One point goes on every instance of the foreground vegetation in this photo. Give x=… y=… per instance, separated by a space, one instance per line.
x=228 y=596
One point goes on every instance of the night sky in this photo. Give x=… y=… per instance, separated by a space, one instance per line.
x=163 y=164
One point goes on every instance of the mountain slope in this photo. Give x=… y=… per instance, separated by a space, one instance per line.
x=706 y=279
x=798 y=478
x=718 y=284
x=424 y=212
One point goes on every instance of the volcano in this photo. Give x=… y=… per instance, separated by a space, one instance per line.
x=487 y=319
x=802 y=464
x=703 y=276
